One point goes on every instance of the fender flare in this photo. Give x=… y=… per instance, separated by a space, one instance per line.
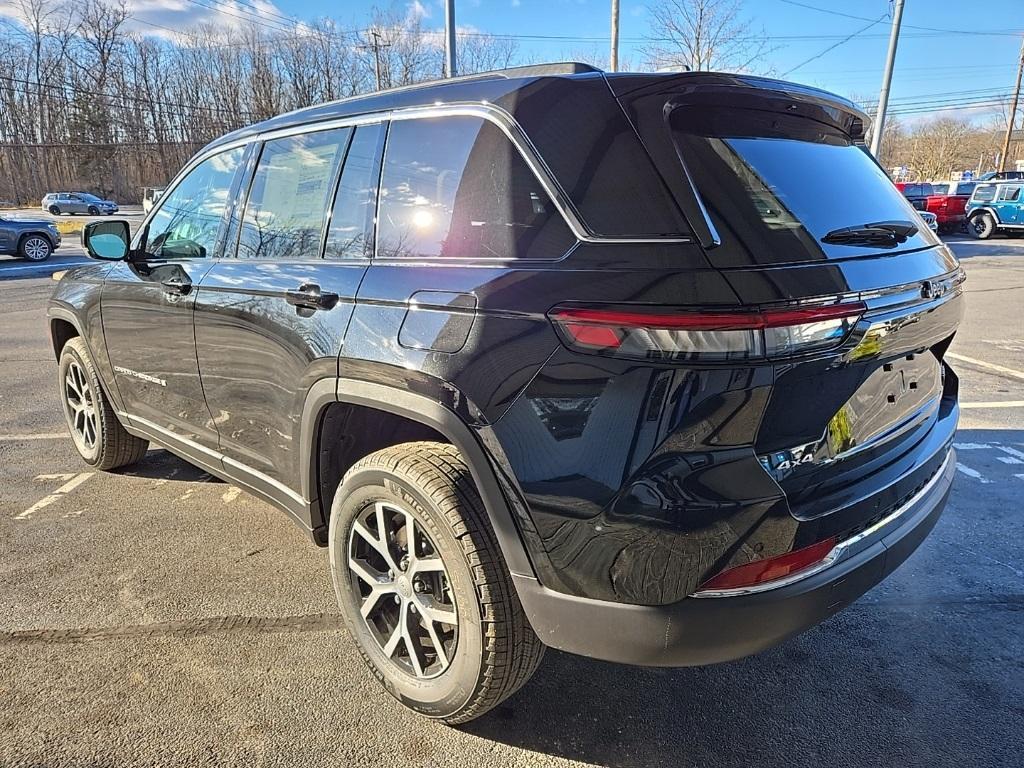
x=428 y=412
x=61 y=313
x=985 y=209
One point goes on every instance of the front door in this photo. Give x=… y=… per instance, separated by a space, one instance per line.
x=148 y=302
x=1008 y=204
x=270 y=322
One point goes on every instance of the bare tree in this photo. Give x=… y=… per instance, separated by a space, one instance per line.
x=704 y=35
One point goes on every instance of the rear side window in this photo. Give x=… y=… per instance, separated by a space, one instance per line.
x=984 y=193
x=288 y=198
x=940 y=189
x=350 y=235
x=456 y=187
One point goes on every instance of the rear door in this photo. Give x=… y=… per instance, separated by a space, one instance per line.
x=271 y=320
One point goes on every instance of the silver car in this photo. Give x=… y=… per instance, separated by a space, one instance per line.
x=77 y=202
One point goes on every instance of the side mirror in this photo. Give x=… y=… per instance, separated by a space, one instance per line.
x=107 y=240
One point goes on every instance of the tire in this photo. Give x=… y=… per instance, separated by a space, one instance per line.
x=55 y=210
x=97 y=434
x=35 y=248
x=490 y=650
x=94 y=211
x=982 y=226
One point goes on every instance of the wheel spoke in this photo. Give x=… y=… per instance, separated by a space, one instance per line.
x=397 y=635
x=373 y=578
x=433 y=611
x=442 y=657
x=426 y=565
x=380 y=546
x=412 y=644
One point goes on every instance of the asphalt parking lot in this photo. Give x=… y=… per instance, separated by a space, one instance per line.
x=156 y=616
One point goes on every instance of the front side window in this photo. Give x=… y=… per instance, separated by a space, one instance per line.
x=284 y=215
x=456 y=187
x=188 y=221
x=1009 y=194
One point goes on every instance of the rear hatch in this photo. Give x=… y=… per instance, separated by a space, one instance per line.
x=792 y=210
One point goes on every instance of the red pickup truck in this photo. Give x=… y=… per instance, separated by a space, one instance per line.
x=948 y=202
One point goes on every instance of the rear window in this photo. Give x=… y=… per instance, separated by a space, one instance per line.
x=940 y=189
x=965 y=188
x=778 y=184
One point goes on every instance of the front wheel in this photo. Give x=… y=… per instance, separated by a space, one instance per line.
x=55 y=210
x=35 y=248
x=94 y=211
x=97 y=434
x=982 y=226
x=423 y=586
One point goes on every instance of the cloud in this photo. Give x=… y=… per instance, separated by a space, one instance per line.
x=516 y=3
x=418 y=10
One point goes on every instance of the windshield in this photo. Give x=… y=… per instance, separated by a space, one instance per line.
x=779 y=184
x=87 y=196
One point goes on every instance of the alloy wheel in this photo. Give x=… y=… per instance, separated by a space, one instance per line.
x=36 y=249
x=80 y=406
x=403 y=590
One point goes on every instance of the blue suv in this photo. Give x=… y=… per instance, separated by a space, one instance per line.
x=996 y=207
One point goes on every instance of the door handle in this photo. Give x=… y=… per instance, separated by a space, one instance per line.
x=309 y=296
x=177 y=285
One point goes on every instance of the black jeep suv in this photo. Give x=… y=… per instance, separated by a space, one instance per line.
x=643 y=367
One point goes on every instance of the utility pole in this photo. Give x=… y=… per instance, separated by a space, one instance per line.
x=613 y=60
x=449 y=38
x=375 y=46
x=883 y=97
x=1013 y=111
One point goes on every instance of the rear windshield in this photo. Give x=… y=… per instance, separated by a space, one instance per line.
x=940 y=189
x=965 y=188
x=778 y=184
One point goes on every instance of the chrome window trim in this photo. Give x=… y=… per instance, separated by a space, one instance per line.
x=489 y=112
x=840 y=551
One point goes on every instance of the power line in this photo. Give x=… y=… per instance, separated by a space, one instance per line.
x=125 y=96
x=829 y=11
x=835 y=45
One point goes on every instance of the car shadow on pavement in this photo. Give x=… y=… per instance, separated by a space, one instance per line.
x=159 y=464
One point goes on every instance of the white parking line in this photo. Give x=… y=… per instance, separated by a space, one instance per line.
x=995 y=404
x=1012 y=372
x=230 y=494
x=1012 y=451
x=43 y=436
x=57 y=495
x=971 y=446
x=971 y=472
x=41 y=267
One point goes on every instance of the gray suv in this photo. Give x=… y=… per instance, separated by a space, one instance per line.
x=77 y=202
x=32 y=239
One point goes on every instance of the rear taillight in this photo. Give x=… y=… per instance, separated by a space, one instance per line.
x=686 y=335
x=764 y=572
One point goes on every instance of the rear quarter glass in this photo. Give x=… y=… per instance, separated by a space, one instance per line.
x=774 y=185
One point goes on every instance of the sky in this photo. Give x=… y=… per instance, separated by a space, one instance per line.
x=969 y=61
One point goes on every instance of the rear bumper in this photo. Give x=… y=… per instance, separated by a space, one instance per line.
x=697 y=631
